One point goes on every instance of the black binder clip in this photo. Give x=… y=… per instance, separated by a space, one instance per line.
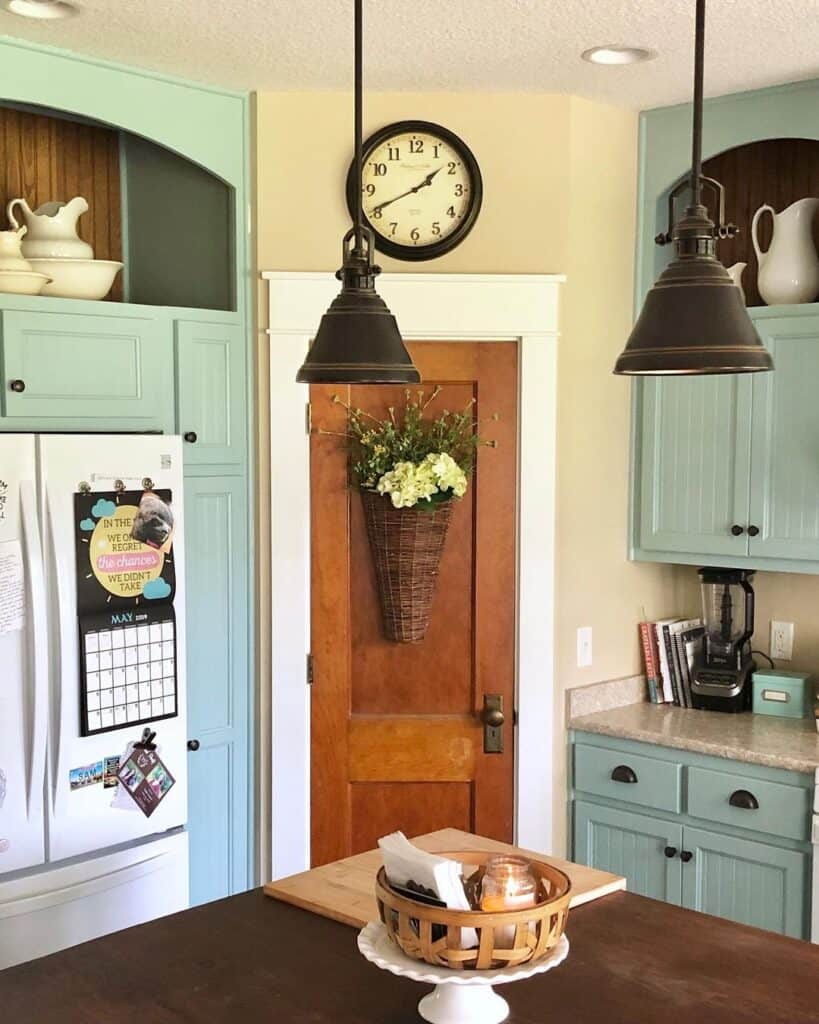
x=147 y=740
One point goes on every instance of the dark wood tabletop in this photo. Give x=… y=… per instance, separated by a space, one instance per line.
x=252 y=959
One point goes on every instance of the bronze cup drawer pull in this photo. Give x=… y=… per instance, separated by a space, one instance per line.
x=744 y=800
x=622 y=773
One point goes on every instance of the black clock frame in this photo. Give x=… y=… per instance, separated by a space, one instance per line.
x=416 y=253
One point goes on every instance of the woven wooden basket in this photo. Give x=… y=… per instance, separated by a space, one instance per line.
x=434 y=934
x=406 y=544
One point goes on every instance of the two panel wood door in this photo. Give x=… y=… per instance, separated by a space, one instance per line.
x=397 y=739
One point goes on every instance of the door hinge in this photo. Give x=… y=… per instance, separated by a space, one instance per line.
x=308 y=418
x=309 y=669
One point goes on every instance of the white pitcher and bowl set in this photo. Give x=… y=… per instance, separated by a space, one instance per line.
x=44 y=255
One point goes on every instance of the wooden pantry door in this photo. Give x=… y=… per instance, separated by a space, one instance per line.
x=396 y=734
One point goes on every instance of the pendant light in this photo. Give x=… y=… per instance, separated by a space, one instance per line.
x=358 y=341
x=694 y=319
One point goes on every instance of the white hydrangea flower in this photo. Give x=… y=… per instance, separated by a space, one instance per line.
x=448 y=474
x=407 y=483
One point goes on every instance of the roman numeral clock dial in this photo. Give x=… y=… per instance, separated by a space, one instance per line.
x=421 y=189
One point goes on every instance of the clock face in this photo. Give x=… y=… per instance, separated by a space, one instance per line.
x=421 y=189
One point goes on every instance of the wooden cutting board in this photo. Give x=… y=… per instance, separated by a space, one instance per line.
x=344 y=890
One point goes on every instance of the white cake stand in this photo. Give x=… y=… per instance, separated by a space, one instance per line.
x=459 y=997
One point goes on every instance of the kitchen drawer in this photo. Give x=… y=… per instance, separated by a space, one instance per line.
x=782 y=811
x=655 y=783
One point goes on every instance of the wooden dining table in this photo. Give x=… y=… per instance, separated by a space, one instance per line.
x=252 y=960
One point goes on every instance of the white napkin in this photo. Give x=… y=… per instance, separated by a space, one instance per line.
x=404 y=862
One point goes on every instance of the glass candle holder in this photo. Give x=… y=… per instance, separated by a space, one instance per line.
x=508 y=884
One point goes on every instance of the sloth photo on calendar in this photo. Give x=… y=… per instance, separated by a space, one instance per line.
x=154 y=522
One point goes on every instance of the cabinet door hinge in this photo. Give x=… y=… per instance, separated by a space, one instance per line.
x=308 y=418
x=309 y=669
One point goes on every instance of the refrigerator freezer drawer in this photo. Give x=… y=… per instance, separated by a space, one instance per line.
x=52 y=910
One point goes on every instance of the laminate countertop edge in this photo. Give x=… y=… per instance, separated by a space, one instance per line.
x=789 y=744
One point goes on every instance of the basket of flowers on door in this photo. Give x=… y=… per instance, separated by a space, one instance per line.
x=410 y=470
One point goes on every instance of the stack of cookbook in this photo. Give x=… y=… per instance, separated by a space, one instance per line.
x=670 y=648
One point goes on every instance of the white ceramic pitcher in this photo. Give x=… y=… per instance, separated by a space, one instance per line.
x=52 y=229
x=11 y=255
x=789 y=270
x=735 y=273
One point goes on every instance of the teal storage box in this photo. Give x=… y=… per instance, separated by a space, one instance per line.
x=785 y=694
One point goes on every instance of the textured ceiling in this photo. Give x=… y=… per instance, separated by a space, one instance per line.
x=461 y=45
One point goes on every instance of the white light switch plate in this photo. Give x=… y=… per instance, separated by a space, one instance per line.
x=781 y=640
x=584 y=646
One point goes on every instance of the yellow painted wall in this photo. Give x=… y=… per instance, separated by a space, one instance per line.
x=560 y=184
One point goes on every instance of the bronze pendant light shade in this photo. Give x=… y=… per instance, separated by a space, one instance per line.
x=694 y=320
x=358 y=341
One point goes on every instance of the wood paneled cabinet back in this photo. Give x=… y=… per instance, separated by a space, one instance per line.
x=50 y=158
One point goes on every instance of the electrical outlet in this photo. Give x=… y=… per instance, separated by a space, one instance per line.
x=781 y=640
x=584 y=647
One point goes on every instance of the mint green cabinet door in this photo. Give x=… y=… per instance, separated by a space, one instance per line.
x=694 y=464
x=745 y=881
x=219 y=685
x=785 y=448
x=86 y=372
x=211 y=392
x=632 y=845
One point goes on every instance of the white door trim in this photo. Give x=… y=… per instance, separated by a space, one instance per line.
x=465 y=307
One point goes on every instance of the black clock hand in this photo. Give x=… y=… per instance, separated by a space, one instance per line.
x=409 y=192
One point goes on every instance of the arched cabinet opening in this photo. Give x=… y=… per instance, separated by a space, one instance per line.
x=776 y=172
x=169 y=221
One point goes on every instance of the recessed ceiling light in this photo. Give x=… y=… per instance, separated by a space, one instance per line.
x=617 y=55
x=43 y=10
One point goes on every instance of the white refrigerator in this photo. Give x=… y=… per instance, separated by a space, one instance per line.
x=72 y=866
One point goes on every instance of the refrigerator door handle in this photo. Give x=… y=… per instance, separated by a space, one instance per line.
x=60 y=773
x=39 y=637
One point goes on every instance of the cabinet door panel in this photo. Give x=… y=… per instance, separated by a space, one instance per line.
x=785 y=447
x=218 y=685
x=210 y=391
x=694 y=464
x=98 y=372
x=741 y=880
x=632 y=845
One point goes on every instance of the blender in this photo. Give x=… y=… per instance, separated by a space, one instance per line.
x=723 y=669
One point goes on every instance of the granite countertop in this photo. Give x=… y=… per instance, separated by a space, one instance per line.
x=788 y=743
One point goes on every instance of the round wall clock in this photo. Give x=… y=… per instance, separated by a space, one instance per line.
x=421 y=187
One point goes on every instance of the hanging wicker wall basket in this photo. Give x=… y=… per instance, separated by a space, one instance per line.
x=406 y=544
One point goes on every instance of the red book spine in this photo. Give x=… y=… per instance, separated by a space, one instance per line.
x=651 y=658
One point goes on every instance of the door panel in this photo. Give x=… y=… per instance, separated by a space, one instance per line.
x=396 y=736
x=632 y=845
x=210 y=391
x=218 y=693
x=92 y=372
x=21 y=743
x=695 y=463
x=785 y=467
x=752 y=883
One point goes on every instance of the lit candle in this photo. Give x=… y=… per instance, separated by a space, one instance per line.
x=508 y=884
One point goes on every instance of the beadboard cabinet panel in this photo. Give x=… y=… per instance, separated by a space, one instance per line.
x=210 y=391
x=785 y=447
x=632 y=845
x=695 y=456
x=745 y=881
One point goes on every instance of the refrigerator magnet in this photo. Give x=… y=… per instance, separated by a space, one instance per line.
x=146 y=779
x=85 y=775
x=109 y=772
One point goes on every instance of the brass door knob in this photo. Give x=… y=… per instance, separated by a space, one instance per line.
x=493 y=717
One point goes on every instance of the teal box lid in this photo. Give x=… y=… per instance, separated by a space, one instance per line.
x=781 y=693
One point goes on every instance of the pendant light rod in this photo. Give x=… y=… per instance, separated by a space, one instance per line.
x=699 y=71
x=359 y=123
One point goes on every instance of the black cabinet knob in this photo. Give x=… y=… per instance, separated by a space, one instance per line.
x=737 y=530
x=18 y=386
x=622 y=773
x=190 y=437
x=753 y=531
x=670 y=851
x=193 y=744
x=744 y=800
x=686 y=856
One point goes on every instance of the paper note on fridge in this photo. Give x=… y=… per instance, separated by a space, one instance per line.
x=12 y=587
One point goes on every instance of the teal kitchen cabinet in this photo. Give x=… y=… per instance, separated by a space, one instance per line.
x=88 y=372
x=211 y=382
x=633 y=845
x=747 y=863
x=219 y=701
x=746 y=881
